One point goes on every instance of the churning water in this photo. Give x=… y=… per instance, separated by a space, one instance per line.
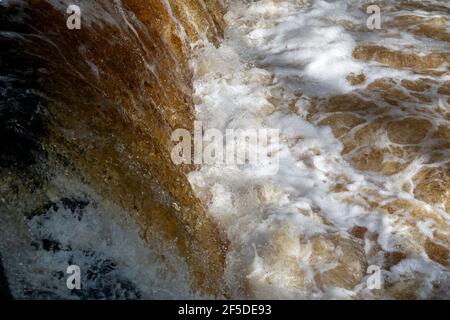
x=363 y=178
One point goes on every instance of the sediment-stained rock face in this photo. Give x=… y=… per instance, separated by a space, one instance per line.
x=98 y=105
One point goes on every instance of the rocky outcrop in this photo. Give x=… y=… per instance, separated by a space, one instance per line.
x=100 y=103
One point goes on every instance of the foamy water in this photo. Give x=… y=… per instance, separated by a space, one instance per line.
x=78 y=227
x=346 y=197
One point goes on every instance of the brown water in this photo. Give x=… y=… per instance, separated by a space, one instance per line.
x=363 y=177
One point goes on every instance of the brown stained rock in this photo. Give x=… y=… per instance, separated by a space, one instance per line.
x=442 y=236
x=382 y=84
x=422 y=5
x=373 y=159
x=369 y=133
x=111 y=125
x=402 y=290
x=445 y=88
x=423 y=98
x=393 y=258
x=431 y=72
x=348 y=102
x=437 y=253
x=391 y=167
x=432 y=185
x=194 y=18
x=416 y=211
x=408 y=130
x=348 y=145
x=431 y=31
x=434 y=28
x=341 y=123
x=398 y=205
x=406 y=153
x=280 y=258
x=347 y=253
x=443 y=133
x=358 y=232
x=419 y=85
x=405 y=21
x=399 y=59
x=356 y=79
x=389 y=91
x=368 y=159
x=339 y=187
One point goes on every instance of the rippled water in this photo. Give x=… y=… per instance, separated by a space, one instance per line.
x=364 y=171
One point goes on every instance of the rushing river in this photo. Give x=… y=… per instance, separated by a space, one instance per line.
x=363 y=158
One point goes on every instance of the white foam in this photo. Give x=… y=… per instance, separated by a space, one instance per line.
x=283 y=50
x=105 y=242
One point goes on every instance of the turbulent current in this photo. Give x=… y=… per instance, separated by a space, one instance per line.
x=363 y=159
x=358 y=207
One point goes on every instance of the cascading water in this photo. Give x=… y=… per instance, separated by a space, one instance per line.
x=85 y=170
x=363 y=157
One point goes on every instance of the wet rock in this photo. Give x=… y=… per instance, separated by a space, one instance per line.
x=356 y=79
x=408 y=130
x=348 y=102
x=100 y=104
x=432 y=185
x=419 y=85
x=445 y=88
x=437 y=253
x=389 y=91
x=434 y=28
x=358 y=232
x=342 y=123
x=346 y=258
x=393 y=258
x=370 y=159
x=400 y=59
